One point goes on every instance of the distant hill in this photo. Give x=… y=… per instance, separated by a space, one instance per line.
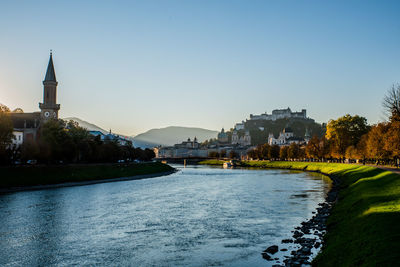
x=165 y=136
x=87 y=125
x=172 y=135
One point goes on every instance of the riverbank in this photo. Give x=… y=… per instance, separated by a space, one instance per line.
x=41 y=177
x=215 y=162
x=362 y=228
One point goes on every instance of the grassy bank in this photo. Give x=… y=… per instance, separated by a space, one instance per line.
x=213 y=162
x=363 y=228
x=22 y=176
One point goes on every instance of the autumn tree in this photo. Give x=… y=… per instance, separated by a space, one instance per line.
x=18 y=110
x=273 y=152
x=264 y=149
x=233 y=154
x=213 y=154
x=362 y=151
x=392 y=139
x=223 y=153
x=317 y=148
x=313 y=147
x=376 y=141
x=293 y=151
x=351 y=153
x=344 y=132
x=252 y=154
x=283 y=153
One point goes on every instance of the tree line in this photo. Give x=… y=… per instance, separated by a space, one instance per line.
x=223 y=154
x=60 y=141
x=348 y=138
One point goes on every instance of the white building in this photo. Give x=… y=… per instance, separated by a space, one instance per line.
x=286 y=137
x=242 y=140
x=98 y=133
x=186 y=149
x=121 y=140
x=18 y=138
x=239 y=126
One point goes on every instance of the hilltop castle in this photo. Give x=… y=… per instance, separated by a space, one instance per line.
x=26 y=125
x=280 y=114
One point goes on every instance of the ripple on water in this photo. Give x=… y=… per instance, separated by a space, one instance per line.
x=197 y=217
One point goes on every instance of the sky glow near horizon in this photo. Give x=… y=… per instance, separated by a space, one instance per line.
x=133 y=66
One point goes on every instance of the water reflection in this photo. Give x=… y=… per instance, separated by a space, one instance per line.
x=197 y=217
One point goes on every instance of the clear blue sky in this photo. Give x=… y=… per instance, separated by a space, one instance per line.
x=132 y=66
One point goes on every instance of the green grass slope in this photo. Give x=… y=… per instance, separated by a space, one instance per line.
x=364 y=226
x=213 y=162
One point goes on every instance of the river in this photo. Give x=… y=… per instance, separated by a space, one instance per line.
x=199 y=216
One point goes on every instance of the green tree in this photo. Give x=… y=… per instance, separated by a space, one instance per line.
x=55 y=137
x=6 y=134
x=80 y=139
x=30 y=150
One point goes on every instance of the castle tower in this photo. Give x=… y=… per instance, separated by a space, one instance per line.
x=49 y=108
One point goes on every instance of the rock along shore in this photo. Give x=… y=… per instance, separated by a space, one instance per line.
x=308 y=236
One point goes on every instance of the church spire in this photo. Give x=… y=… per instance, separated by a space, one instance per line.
x=50 y=73
x=49 y=107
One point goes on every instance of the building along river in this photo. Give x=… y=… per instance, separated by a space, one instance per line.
x=198 y=216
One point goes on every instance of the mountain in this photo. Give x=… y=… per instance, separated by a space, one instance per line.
x=87 y=125
x=165 y=136
x=172 y=135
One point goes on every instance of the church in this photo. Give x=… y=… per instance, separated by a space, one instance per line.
x=27 y=125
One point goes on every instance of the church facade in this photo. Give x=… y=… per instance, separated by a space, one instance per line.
x=27 y=125
x=286 y=137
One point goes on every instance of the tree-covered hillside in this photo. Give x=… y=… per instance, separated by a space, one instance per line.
x=260 y=129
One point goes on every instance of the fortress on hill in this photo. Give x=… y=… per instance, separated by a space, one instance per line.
x=280 y=114
x=276 y=115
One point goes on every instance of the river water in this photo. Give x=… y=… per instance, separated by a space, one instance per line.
x=199 y=216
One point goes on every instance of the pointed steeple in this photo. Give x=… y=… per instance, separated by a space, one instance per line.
x=50 y=73
x=49 y=107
